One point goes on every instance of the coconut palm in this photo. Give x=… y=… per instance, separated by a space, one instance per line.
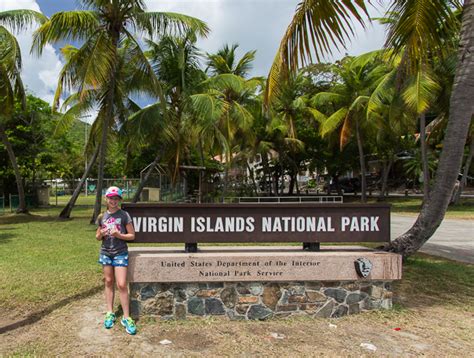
x=103 y=26
x=319 y=24
x=11 y=85
x=130 y=81
x=359 y=77
x=222 y=111
x=172 y=132
x=225 y=61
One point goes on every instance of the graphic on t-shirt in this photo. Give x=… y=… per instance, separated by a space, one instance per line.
x=110 y=223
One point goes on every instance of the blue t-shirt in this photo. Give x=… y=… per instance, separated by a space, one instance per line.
x=111 y=245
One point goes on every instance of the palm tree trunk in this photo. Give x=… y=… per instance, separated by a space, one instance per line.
x=19 y=180
x=363 y=182
x=465 y=173
x=387 y=165
x=107 y=120
x=145 y=178
x=252 y=177
x=291 y=187
x=424 y=157
x=226 y=180
x=66 y=212
x=100 y=179
x=460 y=115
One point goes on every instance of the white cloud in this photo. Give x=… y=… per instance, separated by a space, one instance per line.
x=256 y=25
x=40 y=74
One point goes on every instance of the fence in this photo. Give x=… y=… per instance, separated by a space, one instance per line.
x=285 y=199
x=61 y=190
x=14 y=201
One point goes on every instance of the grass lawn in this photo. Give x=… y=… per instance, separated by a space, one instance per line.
x=44 y=260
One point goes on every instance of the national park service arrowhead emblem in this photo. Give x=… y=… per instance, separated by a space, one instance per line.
x=363 y=267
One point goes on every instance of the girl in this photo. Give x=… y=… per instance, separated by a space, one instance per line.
x=114 y=229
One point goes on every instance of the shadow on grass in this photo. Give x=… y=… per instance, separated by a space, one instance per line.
x=26 y=218
x=37 y=316
x=430 y=281
x=5 y=237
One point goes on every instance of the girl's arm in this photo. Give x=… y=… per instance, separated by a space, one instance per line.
x=129 y=236
x=98 y=234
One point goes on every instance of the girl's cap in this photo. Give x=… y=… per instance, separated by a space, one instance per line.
x=113 y=191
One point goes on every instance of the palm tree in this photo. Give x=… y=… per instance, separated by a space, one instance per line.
x=318 y=24
x=175 y=62
x=11 y=85
x=103 y=26
x=223 y=111
x=130 y=80
x=359 y=77
x=225 y=61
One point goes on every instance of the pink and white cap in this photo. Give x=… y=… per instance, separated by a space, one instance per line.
x=113 y=191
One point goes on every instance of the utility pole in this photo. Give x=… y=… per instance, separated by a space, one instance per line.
x=86 y=124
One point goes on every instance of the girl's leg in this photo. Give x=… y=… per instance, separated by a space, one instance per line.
x=121 y=279
x=109 y=287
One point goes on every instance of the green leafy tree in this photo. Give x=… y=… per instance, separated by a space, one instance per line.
x=11 y=85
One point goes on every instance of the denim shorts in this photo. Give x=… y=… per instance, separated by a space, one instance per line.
x=120 y=260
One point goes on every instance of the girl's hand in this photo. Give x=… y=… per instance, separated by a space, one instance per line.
x=99 y=234
x=115 y=233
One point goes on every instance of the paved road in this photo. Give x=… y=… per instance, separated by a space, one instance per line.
x=454 y=239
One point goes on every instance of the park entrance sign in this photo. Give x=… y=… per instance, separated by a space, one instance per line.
x=254 y=281
x=307 y=223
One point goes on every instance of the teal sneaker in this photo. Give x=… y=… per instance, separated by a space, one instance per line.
x=129 y=325
x=109 y=320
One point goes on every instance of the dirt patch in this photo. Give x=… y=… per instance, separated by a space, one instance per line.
x=76 y=330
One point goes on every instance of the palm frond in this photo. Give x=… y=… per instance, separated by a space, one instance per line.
x=421 y=28
x=420 y=92
x=10 y=53
x=316 y=26
x=226 y=81
x=244 y=65
x=359 y=103
x=317 y=115
x=346 y=132
x=66 y=26
x=324 y=98
x=66 y=120
x=161 y=23
x=143 y=72
x=19 y=20
x=382 y=93
x=333 y=121
x=98 y=59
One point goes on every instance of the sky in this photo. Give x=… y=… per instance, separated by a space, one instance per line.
x=253 y=24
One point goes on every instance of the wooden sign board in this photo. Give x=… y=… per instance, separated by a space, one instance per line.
x=257 y=223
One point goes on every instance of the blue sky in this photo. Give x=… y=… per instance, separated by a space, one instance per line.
x=253 y=24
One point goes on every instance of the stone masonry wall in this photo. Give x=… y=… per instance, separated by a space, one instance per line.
x=258 y=300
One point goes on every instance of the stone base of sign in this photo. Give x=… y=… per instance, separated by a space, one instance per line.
x=258 y=300
x=259 y=282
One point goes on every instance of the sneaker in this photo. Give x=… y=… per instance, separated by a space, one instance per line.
x=109 y=320
x=129 y=325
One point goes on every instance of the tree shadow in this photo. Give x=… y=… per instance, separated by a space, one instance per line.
x=37 y=316
x=433 y=281
x=6 y=237
x=26 y=218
